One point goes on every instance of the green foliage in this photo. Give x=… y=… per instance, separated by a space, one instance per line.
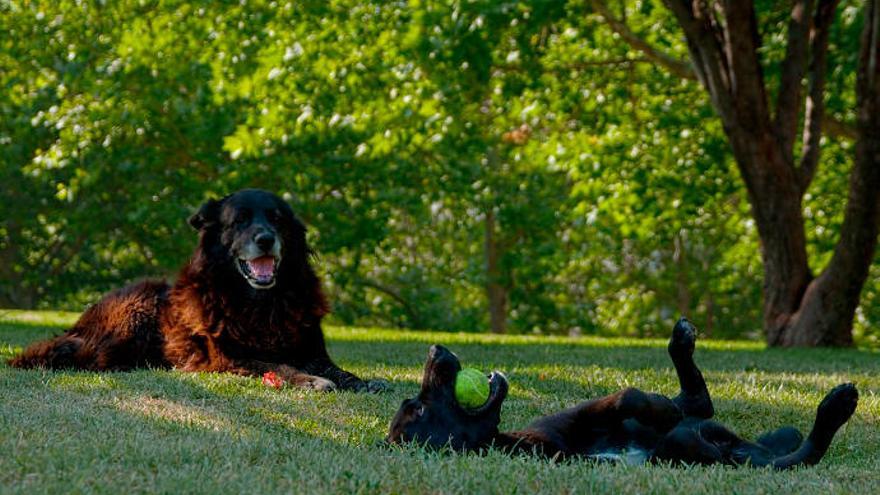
x=156 y=431
x=395 y=129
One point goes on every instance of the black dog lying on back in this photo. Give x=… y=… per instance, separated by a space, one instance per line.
x=630 y=425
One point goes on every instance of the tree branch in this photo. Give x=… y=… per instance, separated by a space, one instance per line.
x=675 y=66
x=839 y=129
x=414 y=317
x=794 y=66
x=815 y=106
x=742 y=45
x=855 y=249
x=584 y=65
x=830 y=125
x=707 y=54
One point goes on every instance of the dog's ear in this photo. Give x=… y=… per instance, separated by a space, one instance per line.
x=207 y=214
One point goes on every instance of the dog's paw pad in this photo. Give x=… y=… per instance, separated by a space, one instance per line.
x=838 y=406
x=684 y=336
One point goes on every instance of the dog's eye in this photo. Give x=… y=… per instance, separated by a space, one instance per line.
x=273 y=215
x=413 y=407
x=417 y=409
x=242 y=218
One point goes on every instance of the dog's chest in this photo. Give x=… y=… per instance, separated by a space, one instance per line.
x=264 y=342
x=631 y=456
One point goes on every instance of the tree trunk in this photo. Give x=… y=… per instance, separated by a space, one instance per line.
x=496 y=291
x=683 y=293
x=799 y=310
x=709 y=324
x=826 y=313
x=13 y=294
x=776 y=207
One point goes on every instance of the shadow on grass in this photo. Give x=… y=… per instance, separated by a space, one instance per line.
x=161 y=403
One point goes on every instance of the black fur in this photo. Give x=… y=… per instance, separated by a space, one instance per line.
x=629 y=425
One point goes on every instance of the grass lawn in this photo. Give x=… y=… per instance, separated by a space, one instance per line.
x=170 y=432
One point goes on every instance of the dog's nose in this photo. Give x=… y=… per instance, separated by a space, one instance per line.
x=265 y=240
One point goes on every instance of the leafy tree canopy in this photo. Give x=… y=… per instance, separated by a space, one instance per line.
x=401 y=132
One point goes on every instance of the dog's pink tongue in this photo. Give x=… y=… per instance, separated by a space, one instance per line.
x=262 y=267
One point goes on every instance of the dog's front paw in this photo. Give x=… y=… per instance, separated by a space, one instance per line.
x=317 y=383
x=378 y=386
x=368 y=386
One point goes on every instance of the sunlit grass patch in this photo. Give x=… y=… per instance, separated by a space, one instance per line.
x=37 y=318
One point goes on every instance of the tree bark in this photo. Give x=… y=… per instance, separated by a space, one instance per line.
x=496 y=292
x=709 y=324
x=775 y=199
x=13 y=293
x=682 y=292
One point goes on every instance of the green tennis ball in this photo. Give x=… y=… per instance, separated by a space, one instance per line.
x=471 y=388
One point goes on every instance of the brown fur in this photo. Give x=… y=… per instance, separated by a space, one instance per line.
x=210 y=319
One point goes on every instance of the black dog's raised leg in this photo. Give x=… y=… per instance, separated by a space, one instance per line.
x=833 y=412
x=578 y=428
x=694 y=399
x=651 y=410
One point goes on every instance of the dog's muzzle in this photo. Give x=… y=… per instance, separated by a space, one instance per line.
x=259 y=272
x=258 y=261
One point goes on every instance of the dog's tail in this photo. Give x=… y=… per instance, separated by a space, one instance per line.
x=64 y=351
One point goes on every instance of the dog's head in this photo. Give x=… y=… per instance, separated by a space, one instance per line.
x=253 y=234
x=435 y=417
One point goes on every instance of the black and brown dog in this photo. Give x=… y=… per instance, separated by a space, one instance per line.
x=248 y=302
x=630 y=425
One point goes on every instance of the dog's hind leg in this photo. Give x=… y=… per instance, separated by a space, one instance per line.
x=120 y=332
x=64 y=351
x=709 y=442
x=651 y=410
x=735 y=450
x=72 y=350
x=694 y=399
x=833 y=412
x=782 y=441
x=685 y=445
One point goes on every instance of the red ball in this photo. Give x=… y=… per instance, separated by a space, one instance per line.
x=270 y=379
